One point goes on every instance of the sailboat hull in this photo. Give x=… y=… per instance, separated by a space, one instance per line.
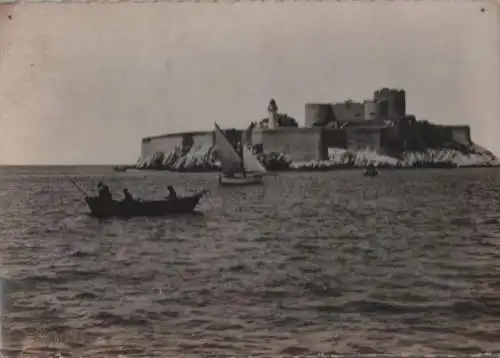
x=241 y=181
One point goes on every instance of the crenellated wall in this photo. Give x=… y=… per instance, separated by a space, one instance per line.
x=349 y=111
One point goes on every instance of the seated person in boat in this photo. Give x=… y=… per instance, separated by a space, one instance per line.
x=104 y=192
x=171 y=192
x=128 y=197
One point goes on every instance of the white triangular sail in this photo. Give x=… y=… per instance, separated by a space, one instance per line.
x=251 y=163
x=230 y=160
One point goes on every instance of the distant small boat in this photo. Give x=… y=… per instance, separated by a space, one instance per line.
x=120 y=169
x=237 y=170
x=148 y=208
x=370 y=172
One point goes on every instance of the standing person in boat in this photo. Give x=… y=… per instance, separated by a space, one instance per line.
x=171 y=192
x=104 y=192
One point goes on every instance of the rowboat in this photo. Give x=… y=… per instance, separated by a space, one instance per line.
x=148 y=208
x=373 y=172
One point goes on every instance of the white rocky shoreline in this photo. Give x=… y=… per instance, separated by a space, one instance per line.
x=201 y=158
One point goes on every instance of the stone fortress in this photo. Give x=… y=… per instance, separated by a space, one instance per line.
x=378 y=125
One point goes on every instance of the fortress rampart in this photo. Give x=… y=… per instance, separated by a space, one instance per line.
x=379 y=125
x=302 y=144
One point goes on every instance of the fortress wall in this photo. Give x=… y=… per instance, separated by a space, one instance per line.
x=359 y=138
x=302 y=144
x=256 y=136
x=389 y=134
x=170 y=142
x=349 y=111
x=391 y=143
x=152 y=145
x=461 y=134
x=334 y=138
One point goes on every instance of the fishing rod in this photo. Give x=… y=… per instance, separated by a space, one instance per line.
x=77 y=186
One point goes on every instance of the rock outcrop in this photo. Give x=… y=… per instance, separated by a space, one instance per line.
x=202 y=158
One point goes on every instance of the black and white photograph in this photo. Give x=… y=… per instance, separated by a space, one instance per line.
x=249 y=179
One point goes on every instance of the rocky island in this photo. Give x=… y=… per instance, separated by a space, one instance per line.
x=335 y=136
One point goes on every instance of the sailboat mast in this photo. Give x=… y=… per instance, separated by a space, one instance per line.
x=242 y=157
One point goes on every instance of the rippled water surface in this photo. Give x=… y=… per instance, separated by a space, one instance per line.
x=407 y=262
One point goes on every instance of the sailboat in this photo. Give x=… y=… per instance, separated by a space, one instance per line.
x=237 y=170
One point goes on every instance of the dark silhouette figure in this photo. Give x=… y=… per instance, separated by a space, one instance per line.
x=104 y=192
x=171 y=192
x=128 y=197
x=371 y=170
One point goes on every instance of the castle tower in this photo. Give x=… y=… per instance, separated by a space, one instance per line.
x=272 y=109
x=390 y=102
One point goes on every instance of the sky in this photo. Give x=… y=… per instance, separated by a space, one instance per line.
x=83 y=83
